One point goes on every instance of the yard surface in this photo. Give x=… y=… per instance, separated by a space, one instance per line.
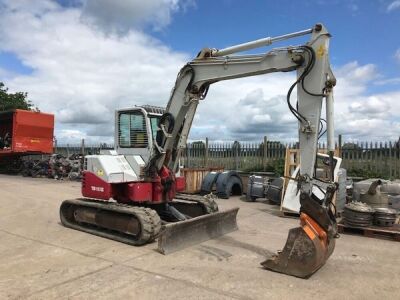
x=40 y=259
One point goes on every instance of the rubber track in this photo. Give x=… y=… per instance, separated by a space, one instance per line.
x=149 y=220
x=207 y=201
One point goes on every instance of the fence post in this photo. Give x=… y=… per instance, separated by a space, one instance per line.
x=340 y=146
x=187 y=156
x=236 y=149
x=55 y=145
x=265 y=154
x=390 y=160
x=83 y=147
x=206 y=154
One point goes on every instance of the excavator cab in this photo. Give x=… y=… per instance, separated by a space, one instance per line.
x=148 y=206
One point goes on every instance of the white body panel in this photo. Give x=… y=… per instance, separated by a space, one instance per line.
x=111 y=168
x=136 y=162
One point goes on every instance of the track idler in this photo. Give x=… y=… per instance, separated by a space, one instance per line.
x=306 y=250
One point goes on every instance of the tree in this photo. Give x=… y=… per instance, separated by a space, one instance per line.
x=17 y=100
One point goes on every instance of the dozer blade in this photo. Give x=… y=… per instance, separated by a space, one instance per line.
x=179 y=235
x=306 y=250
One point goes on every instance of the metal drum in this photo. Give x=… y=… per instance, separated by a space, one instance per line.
x=358 y=214
x=385 y=217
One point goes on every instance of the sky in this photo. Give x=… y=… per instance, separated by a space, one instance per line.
x=83 y=59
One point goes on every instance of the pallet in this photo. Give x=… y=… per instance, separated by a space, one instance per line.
x=194 y=178
x=292 y=161
x=391 y=233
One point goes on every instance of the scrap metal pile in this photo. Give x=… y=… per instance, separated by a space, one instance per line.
x=262 y=187
x=56 y=166
x=359 y=214
x=376 y=202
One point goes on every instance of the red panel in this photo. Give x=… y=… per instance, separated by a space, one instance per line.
x=32 y=132
x=167 y=179
x=95 y=187
x=140 y=191
x=157 y=190
x=180 y=183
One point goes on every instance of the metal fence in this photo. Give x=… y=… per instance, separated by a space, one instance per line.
x=244 y=156
x=361 y=159
x=68 y=149
x=367 y=159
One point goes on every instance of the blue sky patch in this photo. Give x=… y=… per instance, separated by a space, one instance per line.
x=11 y=63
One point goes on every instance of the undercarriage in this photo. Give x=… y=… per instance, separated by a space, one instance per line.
x=185 y=221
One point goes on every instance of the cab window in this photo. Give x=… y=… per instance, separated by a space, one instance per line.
x=154 y=125
x=132 y=131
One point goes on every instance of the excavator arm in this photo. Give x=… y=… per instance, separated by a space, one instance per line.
x=308 y=246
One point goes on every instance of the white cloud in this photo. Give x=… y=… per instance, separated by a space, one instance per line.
x=361 y=116
x=70 y=136
x=394 y=80
x=122 y=15
x=255 y=107
x=247 y=109
x=82 y=75
x=357 y=73
x=397 y=55
x=370 y=107
x=6 y=74
x=393 y=6
x=29 y=6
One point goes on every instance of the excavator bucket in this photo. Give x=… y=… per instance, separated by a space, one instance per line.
x=176 y=236
x=306 y=250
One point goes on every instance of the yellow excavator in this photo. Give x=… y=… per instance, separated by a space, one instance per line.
x=132 y=193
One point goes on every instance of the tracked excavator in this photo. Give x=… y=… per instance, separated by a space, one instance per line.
x=132 y=194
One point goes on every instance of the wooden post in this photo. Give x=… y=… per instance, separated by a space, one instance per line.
x=187 y=156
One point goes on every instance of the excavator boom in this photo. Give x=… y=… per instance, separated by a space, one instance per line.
x=308 y=246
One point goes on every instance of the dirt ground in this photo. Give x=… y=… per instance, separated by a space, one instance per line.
x=40 y=259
